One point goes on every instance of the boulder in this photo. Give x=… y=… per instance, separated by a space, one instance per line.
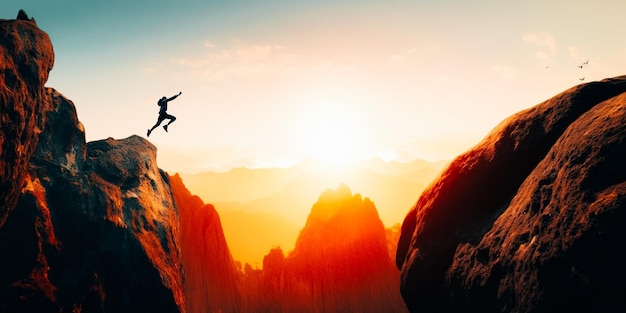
x=527 y=220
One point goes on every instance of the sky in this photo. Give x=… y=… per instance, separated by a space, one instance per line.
x=268 y=83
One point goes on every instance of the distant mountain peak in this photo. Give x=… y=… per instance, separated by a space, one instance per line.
x=341 y=206
x=340 y=262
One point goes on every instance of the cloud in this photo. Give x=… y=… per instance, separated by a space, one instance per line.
x=238 y=59
x=154 y=68
x=542 y=55
x=542 y=39
x=546 y=43
x=505 y=71
x=405 y=56
x=575 y=53
x=208 y=44
x=397 y=59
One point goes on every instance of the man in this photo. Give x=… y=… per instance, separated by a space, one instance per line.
x=163 y=113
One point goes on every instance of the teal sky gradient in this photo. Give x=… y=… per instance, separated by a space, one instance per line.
x=263 y=82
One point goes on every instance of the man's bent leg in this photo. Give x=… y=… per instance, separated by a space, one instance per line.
x=159 y=121
x=172 y=119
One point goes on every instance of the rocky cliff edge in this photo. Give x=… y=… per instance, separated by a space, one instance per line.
x=530 y=219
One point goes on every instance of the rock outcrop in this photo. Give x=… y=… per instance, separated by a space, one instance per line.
x=340 y=262
x=529 y=220
x=211 y=279
x=26 y=58
x=89 y=227
x=94 y=229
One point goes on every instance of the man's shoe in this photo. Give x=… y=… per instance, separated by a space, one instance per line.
x=165 y=127
x=149 y=131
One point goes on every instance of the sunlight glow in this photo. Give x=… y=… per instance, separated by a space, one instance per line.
x=332 y=132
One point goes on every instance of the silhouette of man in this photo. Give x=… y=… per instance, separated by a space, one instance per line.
x=163 y=113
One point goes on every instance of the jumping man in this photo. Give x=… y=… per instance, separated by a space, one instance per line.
x=163 y=113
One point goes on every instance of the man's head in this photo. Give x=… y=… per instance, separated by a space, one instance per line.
x=163 y=98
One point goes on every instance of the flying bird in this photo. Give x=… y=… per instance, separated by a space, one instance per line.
x=586 y=62
x=581 y=79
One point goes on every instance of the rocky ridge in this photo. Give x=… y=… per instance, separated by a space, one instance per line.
x=91 y=227
x=105 y=235
x=527 y=220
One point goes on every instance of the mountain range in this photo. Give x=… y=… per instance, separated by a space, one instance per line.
x=278 y=209
x=528 y=220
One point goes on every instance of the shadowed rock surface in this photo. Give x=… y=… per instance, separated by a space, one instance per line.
x=85 y=227
x=26 y=58
x=95 y=227
x=529 y=219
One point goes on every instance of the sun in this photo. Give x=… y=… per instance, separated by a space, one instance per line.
x=332 y=133
x=331 y=139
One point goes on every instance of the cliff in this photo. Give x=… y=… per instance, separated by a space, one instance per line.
x=26 y=58
x=91 y=227
x=95 y=227
x=212 y=282
x=529 y=219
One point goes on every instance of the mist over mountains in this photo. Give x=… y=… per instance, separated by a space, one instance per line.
x=340 y=263
x=276 y=201
x=99 y=227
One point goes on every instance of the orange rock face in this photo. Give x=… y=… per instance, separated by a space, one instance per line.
x=211 y=280
x=26 y=58
x=340 y=263
x=88 y=227
x=527 y=221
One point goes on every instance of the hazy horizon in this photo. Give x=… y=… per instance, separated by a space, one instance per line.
x=266 y=208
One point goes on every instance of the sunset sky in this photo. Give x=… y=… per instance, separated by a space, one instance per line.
x=267 y=83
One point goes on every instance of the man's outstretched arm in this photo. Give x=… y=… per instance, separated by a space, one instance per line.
x=175 y=96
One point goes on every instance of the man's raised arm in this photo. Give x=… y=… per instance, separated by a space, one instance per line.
x=175 y=96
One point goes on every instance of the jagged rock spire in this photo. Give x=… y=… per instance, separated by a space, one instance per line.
x=21 y=15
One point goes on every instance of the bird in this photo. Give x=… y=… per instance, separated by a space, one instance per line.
x=581 y=79
x=586 y=62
